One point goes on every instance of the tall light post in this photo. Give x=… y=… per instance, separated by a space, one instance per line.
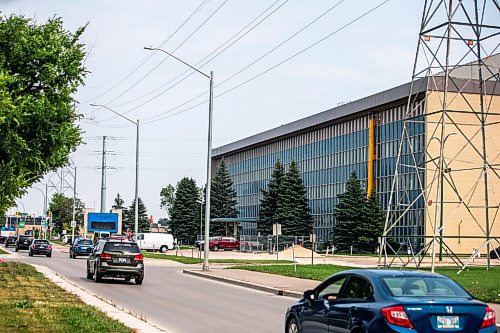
x=136 y=123
x=209 y=152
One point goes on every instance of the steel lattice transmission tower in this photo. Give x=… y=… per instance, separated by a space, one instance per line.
x=445 y=192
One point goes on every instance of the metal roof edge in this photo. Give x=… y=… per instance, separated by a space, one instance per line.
x=351 y=108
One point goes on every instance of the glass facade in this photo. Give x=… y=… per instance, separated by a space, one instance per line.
x=326 y=156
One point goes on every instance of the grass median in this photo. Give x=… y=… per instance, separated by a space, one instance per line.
x=189 y=260
x=29 y=302
x=478 y=281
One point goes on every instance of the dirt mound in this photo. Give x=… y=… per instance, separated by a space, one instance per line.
x=300 y=252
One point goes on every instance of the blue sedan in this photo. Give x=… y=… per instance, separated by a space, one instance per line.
x=376 y=301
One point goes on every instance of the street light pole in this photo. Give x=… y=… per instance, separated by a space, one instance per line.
x=136 y=123
x=209 y=153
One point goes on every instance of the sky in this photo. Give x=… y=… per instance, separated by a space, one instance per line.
x=363 y=55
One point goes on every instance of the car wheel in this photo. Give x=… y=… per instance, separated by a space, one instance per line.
x=164 y=249
x=49 y=254
x=89 y=275
x=215 y=248
x=17 y=250
x=138 y=281
x=97 y=276
x=292 y=326
x=30 y=254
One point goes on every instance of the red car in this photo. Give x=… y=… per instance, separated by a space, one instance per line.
x=224 y=243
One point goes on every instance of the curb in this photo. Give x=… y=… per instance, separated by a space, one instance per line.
x=121 y=314
x=276 y=291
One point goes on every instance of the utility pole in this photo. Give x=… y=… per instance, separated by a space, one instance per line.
x=103 y=176
x=73 y=221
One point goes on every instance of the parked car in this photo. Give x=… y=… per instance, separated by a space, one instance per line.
x=155 y=241
x=373 y=301
x=10 y=241
x=117 y=259
x=23 y=242
x=81 y=247
x=40 y=246
x=495 y=253
x=223 y=243
x=200 y=243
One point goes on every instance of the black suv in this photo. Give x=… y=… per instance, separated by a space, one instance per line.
x=23 y=242
x=116 y=258
x=81 y=247
x=10 y=241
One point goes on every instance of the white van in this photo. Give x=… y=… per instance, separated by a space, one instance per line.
x=155 y=241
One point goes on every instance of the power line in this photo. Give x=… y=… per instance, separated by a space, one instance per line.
x=207 y=56
x=249 y=65
x=146 y=59
x=262 y=73
x=161 y=62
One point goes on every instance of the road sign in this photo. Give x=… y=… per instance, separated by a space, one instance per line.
x=21 y=224
x=73 y=224
x=276 y=229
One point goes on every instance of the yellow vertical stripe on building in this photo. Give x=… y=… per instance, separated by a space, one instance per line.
x=371 y=155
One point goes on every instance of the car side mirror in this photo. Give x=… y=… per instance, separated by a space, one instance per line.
x=309 y=295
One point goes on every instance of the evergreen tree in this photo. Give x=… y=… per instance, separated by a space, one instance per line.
x=349 y=213
x=185 y=211
x=118 y=202
x=129 y=217
x=372 y=225
x=292 y=209
x=269 y=200
x=223 y=199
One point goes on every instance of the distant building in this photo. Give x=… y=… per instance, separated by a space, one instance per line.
x=329 y=145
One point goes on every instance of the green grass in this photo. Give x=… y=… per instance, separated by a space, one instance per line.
x=3 y=252
x=483 y=284
x=29 y=302
x=189 y=260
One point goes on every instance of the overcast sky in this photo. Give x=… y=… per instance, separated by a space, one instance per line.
x=373 y=54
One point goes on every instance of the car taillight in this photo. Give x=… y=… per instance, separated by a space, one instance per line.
x=105 y=256
x=489 y=318
x=396 y=315
x=139 y=257
x=50 y=247
x=33 y=246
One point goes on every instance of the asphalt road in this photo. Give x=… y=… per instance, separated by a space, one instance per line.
x=177 y=302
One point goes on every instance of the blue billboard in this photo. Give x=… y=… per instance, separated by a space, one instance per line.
x=98 y=222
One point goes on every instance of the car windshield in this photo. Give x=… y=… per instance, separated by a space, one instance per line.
x=85 y=242
x=121 y=247
x=41 y=241
x=424 y=286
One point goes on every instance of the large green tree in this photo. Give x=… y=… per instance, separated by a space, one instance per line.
x=292 y=209
x=62 y=213
x=223 y=199
x=185 y=211
x=41 y=67
x=128 y=218
x=349 y=214
x=269 y=200
x=372 y=225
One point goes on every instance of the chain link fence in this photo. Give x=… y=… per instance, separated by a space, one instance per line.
x=269 y=244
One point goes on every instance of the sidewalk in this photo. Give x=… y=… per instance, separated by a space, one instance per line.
x=272 y=283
